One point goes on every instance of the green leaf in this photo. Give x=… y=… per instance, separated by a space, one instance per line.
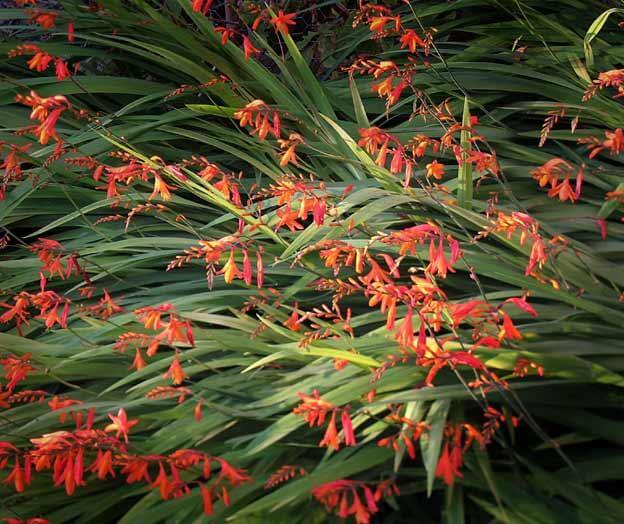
x=464 y=175
x=431 y=440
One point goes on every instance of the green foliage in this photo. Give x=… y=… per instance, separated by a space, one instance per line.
x=563 y=461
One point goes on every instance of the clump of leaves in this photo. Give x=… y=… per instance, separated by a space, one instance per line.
x=248 y=269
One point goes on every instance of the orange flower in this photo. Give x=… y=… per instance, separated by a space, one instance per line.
x=523 y=305
x=138 y=363
x=435 y=169
x=247 y=271
x=233 y=475
x=174 y=331
x=538 y=256
x=201 y=6
x=103 y=464
x=259 y=269
x=162 y=482
x=612 y=78
x=61 y=70
x=449 y=464
x=151 y=316
x=293 y=321
x=47 y=111
x=331 y=438
x=282 y=21
x=206 y=495
x=46 y=19
x=16 y=369
x=378 y=23
x=18 y=311
x=56 y=403
x=617 y=195
x=372 y=138
x=614 y=142
x=314 y=408
x=508 y=331
x=405 y=334
x=176 y=372
x=47 y=128
x=550 y=172
x=288 y=218
x=483 y=161
x=347 y=428
x=161 y=188
x=563 y=191
x=289 y=146
x=121 y=424
x=230 y=270
x=342 y=497
x=413 y=42
x=197 y=411
x=40 y=61
x=383 y=88
x=260 y=116
x=249 y=49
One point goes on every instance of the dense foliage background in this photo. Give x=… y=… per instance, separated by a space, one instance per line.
x=398 y=223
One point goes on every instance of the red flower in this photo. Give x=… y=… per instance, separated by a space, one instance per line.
x=40 y=62
x=16 y=477
x=47 y=128
x=405 y=334
x=347 y=428
x=449 y=464
x=176 y=372
x=151 y=316
x=508 y=331
x=206 y=495
x=121 y=424
x=46 y=19
x=523 y=305
x=293 y=321
x=413 y=42
x=282 y=21
x=435 y=169
x=230 y=270
x=197 y=412
x=103 y=464
x=250 y=50
x=201 y=6
x=538 y=255
x=161 y=188
x=378 y=23
x=331 y=439
x=247 y=271
x=233 y=475
x=226 y=34
x=343 y=497
x=61 y=70
x=162 y=482
x=16 y=369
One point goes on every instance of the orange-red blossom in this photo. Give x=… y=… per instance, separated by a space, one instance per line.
x=47 y=111
x=315 y=410
x=344 y=497
x=66 y=453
